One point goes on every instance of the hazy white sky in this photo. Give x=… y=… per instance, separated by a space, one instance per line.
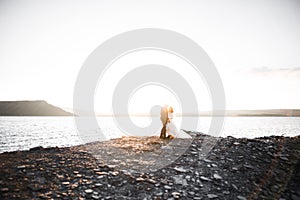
x=253 y=43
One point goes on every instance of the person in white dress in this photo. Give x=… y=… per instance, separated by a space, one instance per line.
x=171 y=129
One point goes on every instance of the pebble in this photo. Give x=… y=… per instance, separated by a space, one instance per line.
x=226 y=192
x=88 y=191
x=115 y=173
x=176 y=195
x=212 y=196
x=139 y=179
x=180 y=180
x=167 y=187
x=74 y=186
x=180 y=169
x=204 y=178
x=159 y=194
x=216 y=176
x=234 y=186
x=95 y=196
x=241 y=197
x=284 y=158
x=249 y=166
x=4 y=189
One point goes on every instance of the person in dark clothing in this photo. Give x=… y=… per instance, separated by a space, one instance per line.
x=164 y=120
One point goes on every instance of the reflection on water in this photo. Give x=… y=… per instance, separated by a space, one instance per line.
x=22 y=133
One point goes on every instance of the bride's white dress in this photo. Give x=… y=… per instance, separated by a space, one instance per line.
x=172 y=129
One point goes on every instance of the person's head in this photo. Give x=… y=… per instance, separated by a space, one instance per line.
x=171 y=109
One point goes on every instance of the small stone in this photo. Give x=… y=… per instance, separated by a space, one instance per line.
x=214 y=165
x=284 y=158
x=95 y=196
x=167 y=187
x=65 y=183
x=101 y=173
x=98 y=184
x=88 y=191
x=241 y=197
x=212 y=196
x=203 y=178
x=176 y=195
x=60 y=176
x=139 y=179
x=179 y=180
x=151 y=181
x=236 y=143
x=159 y=194
x=249 y=166
x=180 y=169
x=115 y=173
x=207 y=160
x=234 y=186
x=216 y=176
x=21 y=167
x=4 y=189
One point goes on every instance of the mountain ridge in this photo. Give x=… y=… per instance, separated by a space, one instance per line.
x=30 y=108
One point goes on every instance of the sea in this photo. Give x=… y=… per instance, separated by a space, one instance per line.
x=23 y=133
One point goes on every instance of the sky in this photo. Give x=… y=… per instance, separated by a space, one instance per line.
x=254 y=45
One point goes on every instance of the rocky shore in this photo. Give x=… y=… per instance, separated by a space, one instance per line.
x=261 y=168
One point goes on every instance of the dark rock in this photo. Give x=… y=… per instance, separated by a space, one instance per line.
x=36 y=148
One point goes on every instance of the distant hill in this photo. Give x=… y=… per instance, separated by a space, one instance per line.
x=272 y=112
x=30 y=108
x=228 y=113
x=256 y=113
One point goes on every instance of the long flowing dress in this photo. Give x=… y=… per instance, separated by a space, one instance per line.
x=172 y=129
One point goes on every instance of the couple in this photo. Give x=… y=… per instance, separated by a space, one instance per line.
x=169 y=129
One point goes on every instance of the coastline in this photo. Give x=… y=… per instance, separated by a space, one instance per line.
x=236 y=168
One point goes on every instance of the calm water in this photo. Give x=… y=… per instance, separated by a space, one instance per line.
x=22 y=133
